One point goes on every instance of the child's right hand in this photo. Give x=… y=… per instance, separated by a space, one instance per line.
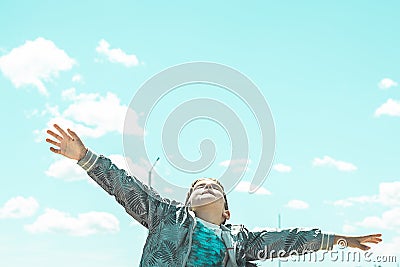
x=69 y=145
x=358 y=241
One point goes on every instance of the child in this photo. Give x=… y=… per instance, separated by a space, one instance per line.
x=194 y=233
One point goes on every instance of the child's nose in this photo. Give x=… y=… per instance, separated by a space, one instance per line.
x=208 y=185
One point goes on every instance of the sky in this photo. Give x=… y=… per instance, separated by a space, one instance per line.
x=328 y=71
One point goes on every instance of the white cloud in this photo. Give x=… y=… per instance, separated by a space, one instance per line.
x=116 y=55
x=245 y=187
x=35 y=62
x=282 y=168
x=390 y=107
x=343 y=203
x=389 y=220
x=85 y=224
x=389 y=195
x=387 y=248
x=386 y=83
x=297 y=204
x=51 y=110
x=91 y=115
x=77 y=78
x=67 y=170
x=353 y=200
x=105 y=113
x=19 y=207
x=340 y=165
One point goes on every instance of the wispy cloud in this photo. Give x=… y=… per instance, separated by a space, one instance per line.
x=245 y=187
x=387 y=83
x=77 y=78
x=116 y=55
x=340 y=165
x=84 y=224
x=19 y=207
x=297 y=204
x=390 y=107
x=389 y=195
x=35 y=62
x=348 y=202
x=282 y=168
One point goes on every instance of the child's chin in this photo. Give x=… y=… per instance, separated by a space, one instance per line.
x=206 y=199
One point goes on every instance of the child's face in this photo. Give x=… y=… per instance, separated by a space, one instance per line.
x=206 y=192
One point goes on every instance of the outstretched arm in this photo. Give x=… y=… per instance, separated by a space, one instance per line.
x=268 y=243
x=281 y=243
x=141 y=202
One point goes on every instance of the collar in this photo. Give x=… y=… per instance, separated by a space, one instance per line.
x=208 y=224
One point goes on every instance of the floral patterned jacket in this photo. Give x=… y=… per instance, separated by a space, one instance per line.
x=171 y=224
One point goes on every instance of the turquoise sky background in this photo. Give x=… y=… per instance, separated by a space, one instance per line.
x=328 y=69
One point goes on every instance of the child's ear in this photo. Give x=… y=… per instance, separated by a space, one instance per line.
x=226 y=214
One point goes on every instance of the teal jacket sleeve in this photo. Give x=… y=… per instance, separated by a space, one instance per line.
x=143 y=203
x=266 y=244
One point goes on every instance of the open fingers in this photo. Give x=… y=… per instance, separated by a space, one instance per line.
x=374 y=235
x=57 y=151
x=376 y=238
x=50 y=132
x=63 y=133
x=48 y=140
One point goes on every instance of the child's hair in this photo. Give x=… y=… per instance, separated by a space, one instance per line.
x=189 y=193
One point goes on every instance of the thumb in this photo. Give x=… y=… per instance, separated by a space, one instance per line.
x=364 y=247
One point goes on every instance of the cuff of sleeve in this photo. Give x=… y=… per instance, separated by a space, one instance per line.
x=88 y=161
x=327 y=241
